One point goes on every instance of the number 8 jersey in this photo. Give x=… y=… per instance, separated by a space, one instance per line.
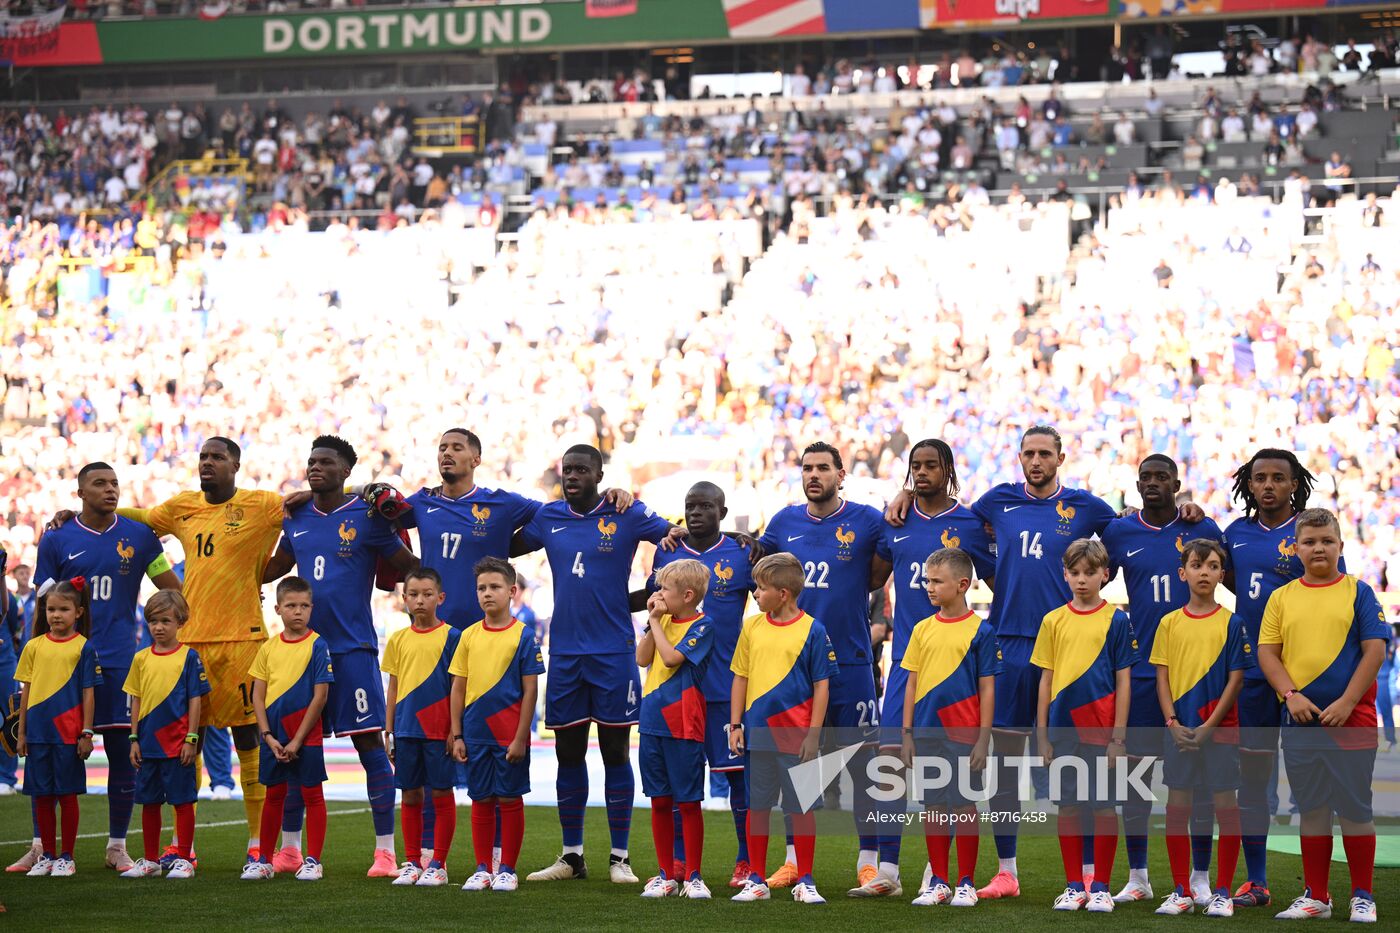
x=1032 y=536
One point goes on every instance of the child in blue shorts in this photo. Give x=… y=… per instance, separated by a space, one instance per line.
x=675 y=650
x=58 y=673
x=166 y=683
x=291 y=681
x=418 y=725
x=1085 y=650
x=495 y=673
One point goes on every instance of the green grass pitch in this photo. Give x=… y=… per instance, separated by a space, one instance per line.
x=217 y=900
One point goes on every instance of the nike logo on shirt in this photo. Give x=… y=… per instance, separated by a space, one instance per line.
x=900 y=538
x=360 y=719
x=1241 y=544
x=1138 y=551
x=438 y=509
x=1009 y=508
x=77 y=555
x=792 y=538
x=298 y=534
x=555 y=531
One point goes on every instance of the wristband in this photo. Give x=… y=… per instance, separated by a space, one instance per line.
x=266 y=733
x=1288 y=694
x=86 y=734
x=908 y=731
x=192 y=738
x=1117 y=742
x=731 y=727
x=458 y=738
x=134 y=737
x=1172 y=719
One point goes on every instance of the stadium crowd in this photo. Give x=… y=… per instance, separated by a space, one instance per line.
x=868 y=327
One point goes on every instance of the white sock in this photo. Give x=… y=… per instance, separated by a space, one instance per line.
x=928 y=877
x=291 y=839
x=1137 y=874
x=1007 y=865
x=1198 y=878
x=114 y=842
x=1088 y=870
x=384 y=842
x=620 y=853
x=866 y=857
x=573 y=850
x=791 y=856
x=890 y=870
x=253 y=842
x=37 y=841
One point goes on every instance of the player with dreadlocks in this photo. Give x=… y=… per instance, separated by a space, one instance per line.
x=1273 y=487
x=936 y=521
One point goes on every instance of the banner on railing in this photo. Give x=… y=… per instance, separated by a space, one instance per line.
x=218 y=34
x=23 y=35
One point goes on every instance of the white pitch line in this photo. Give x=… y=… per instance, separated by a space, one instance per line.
x=20 y=842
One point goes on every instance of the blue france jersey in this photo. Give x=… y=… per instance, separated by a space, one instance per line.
x=835 y=552
x=1032 y=535
x=454 y=534
x=336 y=553
x=590 y=556
x=730 y=585
x=1150 y=558
x=911 y=545
x=1263 y=560
x=113 y=563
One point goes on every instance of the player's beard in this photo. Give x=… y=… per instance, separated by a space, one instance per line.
x=448 y=477
x=822 y=498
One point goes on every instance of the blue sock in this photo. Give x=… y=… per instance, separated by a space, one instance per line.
x=787 y=829
x=679 y=847
x=429 y=819
x=1006 y=801
x=889 y=849
x=619 y=787
x=1137 y=815
x=1254 y=820
x=739 y=808
x=497 y=843
x=293 y=809
x=1202 y=831
x=571 y=787
x=121 y=785
x=34 y=815
x=379 y=782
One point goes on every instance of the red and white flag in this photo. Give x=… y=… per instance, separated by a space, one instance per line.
x=754 y=18
x=214 y=9
x=595 y=9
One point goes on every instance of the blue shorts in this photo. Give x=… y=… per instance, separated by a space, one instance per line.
x=111 y=708
x=1322 y=774
x=601 y=688
x=54 y=770
x=717 y=751
x=490 y=775
x=951 y=795
x=1017 y=686
x=1076 y=789
x=355 y=701
x=852 y=707
x=672 y=768
x=165 y=780
x=892 y=706
x=1260 y=714
x=770 y=781
x=423 y=763
x=1145 y=722
x=307 y=769
x=1214 y=767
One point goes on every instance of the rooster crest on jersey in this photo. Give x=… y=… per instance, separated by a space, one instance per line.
x=949 y=539
x=126 y=552
x=607 y=529
x=481 y=513
x=723 y=572
x=1287 y=548
x=1179 y=545
x=844 y=540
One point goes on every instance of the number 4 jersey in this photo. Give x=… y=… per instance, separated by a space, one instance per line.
x=590 y=555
